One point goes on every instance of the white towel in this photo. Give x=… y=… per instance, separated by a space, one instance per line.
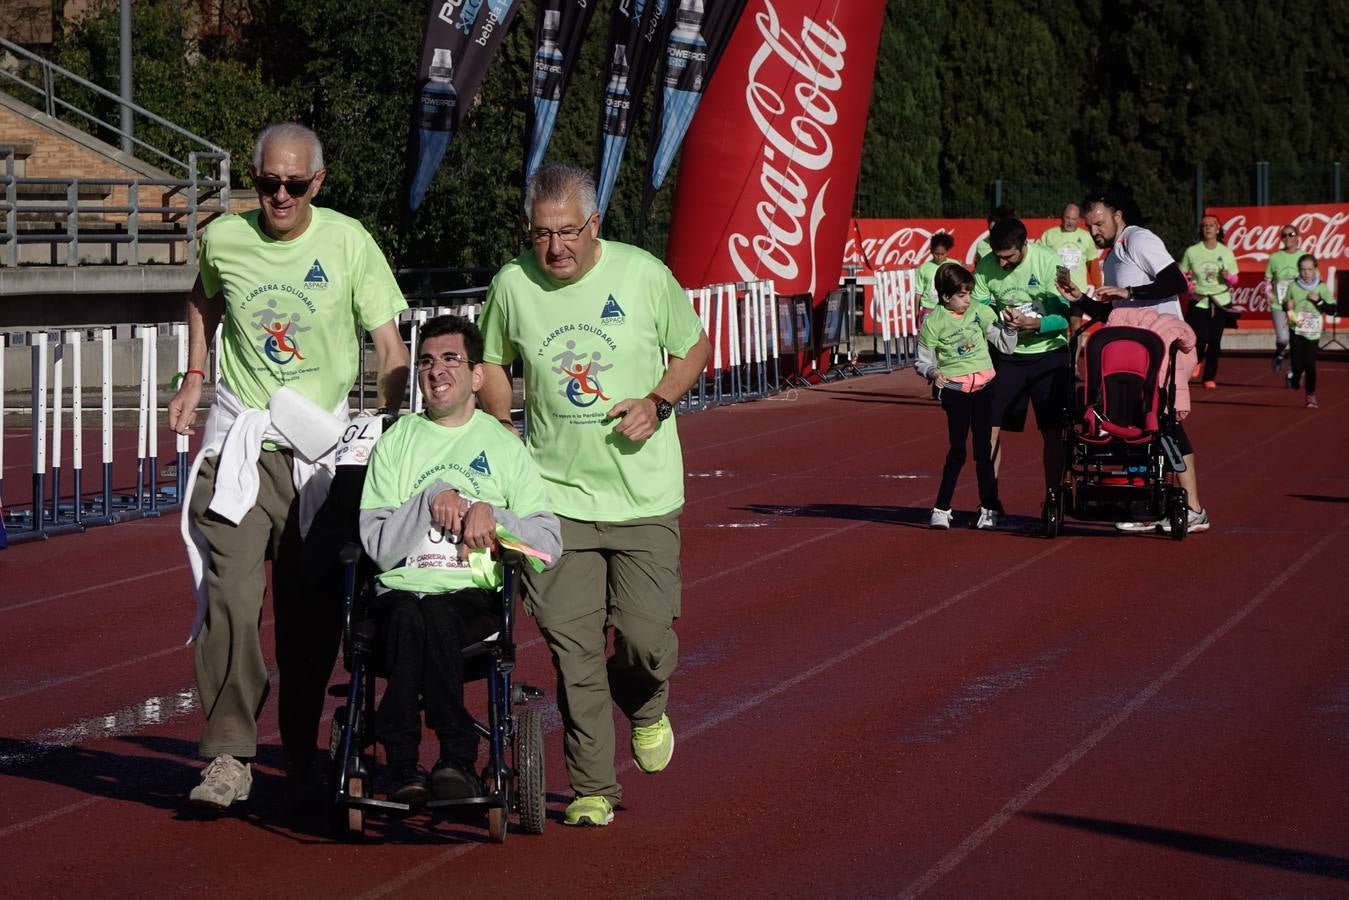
x=235 y=433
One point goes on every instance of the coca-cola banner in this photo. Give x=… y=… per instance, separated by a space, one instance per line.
x=637 y=33
x=698 y=35
x=903 y=243
x=559 y=33
x=767 y=177
x=461 y=40
x=1252 y=232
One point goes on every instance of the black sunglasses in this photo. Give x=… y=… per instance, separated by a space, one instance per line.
x=295 y=187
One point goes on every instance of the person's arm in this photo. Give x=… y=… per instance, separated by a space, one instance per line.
x=203 y=315
x=391 y=363
x=926 y=363
x=1170 y=283
x=638 y=414
x=494 y=397
x=388 y=532
x=1002 y=336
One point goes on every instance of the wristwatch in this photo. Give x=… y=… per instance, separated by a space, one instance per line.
x=664 y=408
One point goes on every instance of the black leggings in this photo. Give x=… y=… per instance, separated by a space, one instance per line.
x=966 y=413
x=1208 y=325
x=1304 y=361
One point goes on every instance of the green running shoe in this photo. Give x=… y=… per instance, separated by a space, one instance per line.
x=653 y=745
x=589 y=811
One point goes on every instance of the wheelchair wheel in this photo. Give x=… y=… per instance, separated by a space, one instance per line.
x=1178 y=512
x=1052 y=516
x=531 y=793
x=497 y=815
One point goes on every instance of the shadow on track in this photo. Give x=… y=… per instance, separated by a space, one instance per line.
x=1308 y=863
x=1320 y=498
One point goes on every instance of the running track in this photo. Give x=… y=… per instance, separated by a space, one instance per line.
x=865 y=707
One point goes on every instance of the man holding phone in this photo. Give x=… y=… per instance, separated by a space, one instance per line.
x=589 y=320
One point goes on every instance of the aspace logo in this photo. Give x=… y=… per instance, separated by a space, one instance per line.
x=580 y=376
x=480 y=464
x=279 y=345
x=317 y=278
x=612 y=314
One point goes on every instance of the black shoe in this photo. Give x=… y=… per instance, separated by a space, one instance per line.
x=406 y=784
x=451 y=780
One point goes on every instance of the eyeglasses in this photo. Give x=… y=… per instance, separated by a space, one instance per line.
x=545 y=235
x=448 y=359
x=1288 y=234
x=295 y=187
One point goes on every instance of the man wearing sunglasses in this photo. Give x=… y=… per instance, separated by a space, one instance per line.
x=437 y=486
x=589 y=319
x=289 y=284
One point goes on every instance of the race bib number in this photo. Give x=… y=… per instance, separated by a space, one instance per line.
x=1029 y=309
x=1308 y=325
x=358 y=440
x=1070 y=256
x=1281 y=290
x=438 y=549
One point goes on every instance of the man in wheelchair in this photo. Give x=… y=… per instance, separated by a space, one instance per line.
x=441 y=488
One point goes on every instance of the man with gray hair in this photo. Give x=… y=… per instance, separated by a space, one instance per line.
x=291 y=283
x=588 y=319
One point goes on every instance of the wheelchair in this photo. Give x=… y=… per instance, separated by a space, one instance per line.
x=513 y=778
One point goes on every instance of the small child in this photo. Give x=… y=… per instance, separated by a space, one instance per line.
x=953 y=356
x=1308 y=298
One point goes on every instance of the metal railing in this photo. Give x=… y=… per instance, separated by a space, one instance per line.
x=201 y=176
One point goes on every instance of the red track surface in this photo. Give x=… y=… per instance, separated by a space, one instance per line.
x=864 y=706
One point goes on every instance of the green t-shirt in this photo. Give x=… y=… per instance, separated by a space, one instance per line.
x=1029 y=287
x=925 y=282
x=982 y=248
x=480 y=459
x=1282 y=272
x=586 y=346
x=292 y=307
x=1206 y=266
x=959 y=342
x=1306 y=319
x=1075 y=248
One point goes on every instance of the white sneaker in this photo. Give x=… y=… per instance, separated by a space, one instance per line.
x=1136 y=527
x=988 y=518
x=223 y=782
x=941 y=518
x=1195 y=522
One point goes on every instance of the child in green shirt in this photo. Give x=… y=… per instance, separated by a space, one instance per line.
x=953 y=355
x=1307 y=300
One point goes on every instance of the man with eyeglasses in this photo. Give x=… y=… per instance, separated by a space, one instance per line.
x=290 y=283
x=589 y=320
x=1280 y=273
x=437 y=487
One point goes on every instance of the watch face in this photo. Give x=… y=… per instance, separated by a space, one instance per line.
x=663 y=409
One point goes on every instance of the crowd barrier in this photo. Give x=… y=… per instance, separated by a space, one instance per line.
x=757 y=337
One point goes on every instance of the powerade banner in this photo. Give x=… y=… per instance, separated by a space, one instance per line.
x=768 y=172
x=560 y=31
x=700 y=33
x=462 y=37
x=636 y=37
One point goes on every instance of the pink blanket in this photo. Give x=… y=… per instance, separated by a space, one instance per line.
x=1169 y=328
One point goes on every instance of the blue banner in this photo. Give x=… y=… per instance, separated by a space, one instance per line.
x=701 y=31
x=462 y=37
x=560 y=32
x=637 y=33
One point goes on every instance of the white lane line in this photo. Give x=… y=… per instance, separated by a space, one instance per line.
x=687 y=734
x=956 y=856
x=95 y=587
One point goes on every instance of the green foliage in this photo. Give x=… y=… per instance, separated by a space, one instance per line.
x=1044 y=98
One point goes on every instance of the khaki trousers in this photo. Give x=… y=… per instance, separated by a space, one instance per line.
x=231 y=672
x=623 y=576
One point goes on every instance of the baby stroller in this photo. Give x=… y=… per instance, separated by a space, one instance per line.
x=513 y=778
x=1121 y=436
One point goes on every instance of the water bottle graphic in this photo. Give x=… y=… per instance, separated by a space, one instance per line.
x=548 y=59
x=617 y=98
x=686 y=66
x=685 y=71
x=437 y=108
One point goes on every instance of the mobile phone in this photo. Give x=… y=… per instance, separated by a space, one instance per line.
x=1063 y=275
